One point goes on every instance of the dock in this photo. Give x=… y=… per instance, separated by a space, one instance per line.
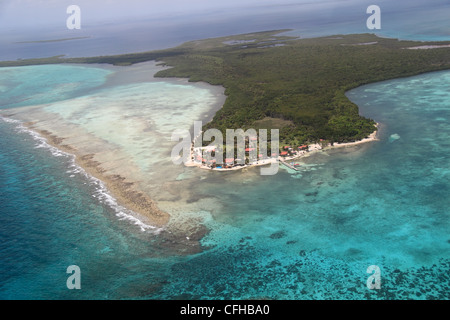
x=288 y=165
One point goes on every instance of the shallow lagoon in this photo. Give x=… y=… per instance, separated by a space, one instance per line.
x=296 y=235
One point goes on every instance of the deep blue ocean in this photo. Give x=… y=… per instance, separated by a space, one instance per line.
x=310 y=234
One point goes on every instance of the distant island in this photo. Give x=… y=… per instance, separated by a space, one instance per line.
x=295 y=85
x=53 y=40
x=271 y=82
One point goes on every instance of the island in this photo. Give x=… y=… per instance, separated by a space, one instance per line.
x=271 y=81
x=295 y=85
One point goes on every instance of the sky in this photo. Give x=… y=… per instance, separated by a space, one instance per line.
x=17 y=14
x=23 y=14
x=41 y=13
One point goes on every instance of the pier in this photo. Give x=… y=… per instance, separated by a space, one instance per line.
x=288 y=165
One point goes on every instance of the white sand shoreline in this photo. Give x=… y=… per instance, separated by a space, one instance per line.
x=428 y=47
x=312 y=149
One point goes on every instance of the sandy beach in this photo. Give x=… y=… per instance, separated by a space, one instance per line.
x=312 y=149
x=428 y=47
x=153 y=190
x=121 y=187
x=121 y=135
x=178 y=235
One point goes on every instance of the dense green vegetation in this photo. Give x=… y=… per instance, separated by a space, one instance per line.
x=299 y=84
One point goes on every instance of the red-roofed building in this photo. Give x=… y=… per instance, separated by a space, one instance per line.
x=229 y=160
x=284 y=153
x=249 y=149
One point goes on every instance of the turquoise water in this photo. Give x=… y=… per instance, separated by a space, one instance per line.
x=66 y=82
x=50 y=220
x=310 y=234
x=296 y=235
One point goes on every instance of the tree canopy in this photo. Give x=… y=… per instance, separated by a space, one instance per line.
x=300 y=82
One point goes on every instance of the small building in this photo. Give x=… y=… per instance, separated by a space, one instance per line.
x=284 y=153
